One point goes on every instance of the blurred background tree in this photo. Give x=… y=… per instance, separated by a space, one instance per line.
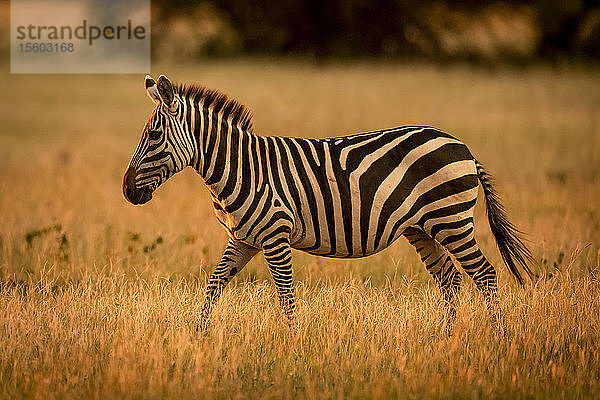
x=438 y=31
x=509 y=31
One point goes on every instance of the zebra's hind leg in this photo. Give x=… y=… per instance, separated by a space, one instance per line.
x=236 y=256
x=440 y=265
x=462 y=244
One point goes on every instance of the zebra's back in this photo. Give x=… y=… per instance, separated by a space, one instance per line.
x=352 y=196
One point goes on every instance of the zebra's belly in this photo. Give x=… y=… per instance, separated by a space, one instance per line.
x=357 y=254
x=338 y=248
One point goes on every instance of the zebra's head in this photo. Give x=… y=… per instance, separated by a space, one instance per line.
x=164 y=148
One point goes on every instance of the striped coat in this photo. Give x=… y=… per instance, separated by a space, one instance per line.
x=348 y=196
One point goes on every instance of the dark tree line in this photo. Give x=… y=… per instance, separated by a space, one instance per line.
x=551 y=29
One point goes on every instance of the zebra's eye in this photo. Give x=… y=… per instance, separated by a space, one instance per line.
x=154 y=135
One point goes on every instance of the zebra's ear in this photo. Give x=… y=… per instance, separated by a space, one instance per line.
x=166 y=92
x=151 y=89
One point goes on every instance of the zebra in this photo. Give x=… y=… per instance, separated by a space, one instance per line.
x=349 y=196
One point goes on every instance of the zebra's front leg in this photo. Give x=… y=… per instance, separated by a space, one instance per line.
x=279 y=259
x=236 y=256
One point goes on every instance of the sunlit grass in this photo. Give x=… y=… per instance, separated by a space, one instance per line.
x=113 y=335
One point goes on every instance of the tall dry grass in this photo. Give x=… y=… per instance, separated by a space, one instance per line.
x=99 y=299
x=110 y=336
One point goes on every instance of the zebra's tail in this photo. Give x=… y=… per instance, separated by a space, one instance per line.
x=512 y=249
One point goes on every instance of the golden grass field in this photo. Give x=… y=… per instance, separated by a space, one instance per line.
x=99 y=299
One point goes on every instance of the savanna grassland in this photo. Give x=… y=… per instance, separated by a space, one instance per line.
x=99 y=299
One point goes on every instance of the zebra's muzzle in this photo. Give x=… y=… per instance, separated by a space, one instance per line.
x=135 y=195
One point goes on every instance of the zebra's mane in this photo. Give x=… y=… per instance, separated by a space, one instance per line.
x=214 y=99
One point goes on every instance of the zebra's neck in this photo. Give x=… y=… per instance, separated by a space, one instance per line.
x=219 y=139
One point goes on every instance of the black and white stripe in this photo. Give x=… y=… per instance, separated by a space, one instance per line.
x=348 y=196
